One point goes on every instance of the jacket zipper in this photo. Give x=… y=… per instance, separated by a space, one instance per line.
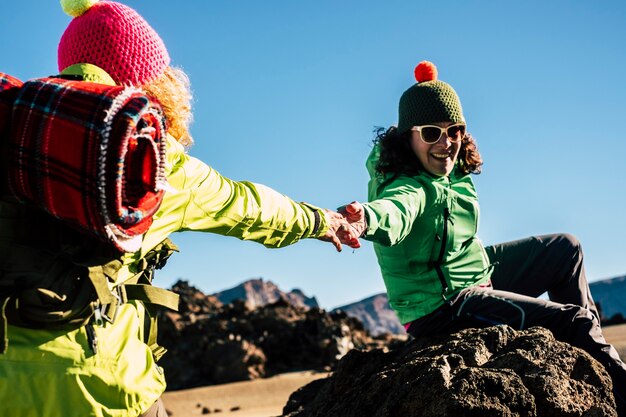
x=444 y=239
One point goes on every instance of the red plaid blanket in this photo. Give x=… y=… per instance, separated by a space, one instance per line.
x=9 y=86
x=90 y=154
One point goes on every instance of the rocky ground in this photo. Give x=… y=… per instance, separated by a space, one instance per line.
x=267 y=397
x=488 y=372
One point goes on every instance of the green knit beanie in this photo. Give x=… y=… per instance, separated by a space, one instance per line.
x=428 y=101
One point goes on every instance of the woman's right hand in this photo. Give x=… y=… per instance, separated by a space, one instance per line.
x=355 y=215
x=339 y=231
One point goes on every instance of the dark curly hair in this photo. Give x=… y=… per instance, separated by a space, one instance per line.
x=398 y=158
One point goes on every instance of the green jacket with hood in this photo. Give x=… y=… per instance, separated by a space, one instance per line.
x=424 y=233
x=49 y=373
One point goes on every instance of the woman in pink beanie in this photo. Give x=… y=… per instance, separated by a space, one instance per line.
x=108 y=367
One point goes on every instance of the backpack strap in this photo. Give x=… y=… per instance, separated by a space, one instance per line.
x=139 y=287
x=54 y=255
x=100 y=284
x=4 y=340
x=150 y=335
x=152 y=295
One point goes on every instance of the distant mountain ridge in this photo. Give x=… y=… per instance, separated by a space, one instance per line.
x=258 y=292
x=375 y=314
x=610 y=295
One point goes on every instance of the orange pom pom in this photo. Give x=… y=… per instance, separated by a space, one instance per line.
x=425 y=71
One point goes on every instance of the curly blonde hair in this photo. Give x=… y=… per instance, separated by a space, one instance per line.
x=173 y=91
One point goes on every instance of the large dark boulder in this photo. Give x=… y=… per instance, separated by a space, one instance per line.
x=495 y=371
x=213 y=343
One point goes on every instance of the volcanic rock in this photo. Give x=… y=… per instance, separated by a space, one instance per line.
x=495 y=371
x=211 y=343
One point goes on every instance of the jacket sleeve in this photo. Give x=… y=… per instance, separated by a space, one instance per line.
x=201 y=199
x=391 y=215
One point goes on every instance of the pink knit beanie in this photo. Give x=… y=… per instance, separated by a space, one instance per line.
x=115 y=38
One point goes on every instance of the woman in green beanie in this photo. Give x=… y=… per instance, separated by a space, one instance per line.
x=422 y=215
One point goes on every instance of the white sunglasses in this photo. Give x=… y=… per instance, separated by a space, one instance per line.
x=431 y=133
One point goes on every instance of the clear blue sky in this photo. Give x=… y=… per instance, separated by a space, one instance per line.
x=287 y=93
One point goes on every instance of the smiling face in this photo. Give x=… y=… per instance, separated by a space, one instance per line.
x=437 y=158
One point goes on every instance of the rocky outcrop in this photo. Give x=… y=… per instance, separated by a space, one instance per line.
x=213 y=343
x=495 y=371
x=375 y=314
x=257 y=293
x=193 y=302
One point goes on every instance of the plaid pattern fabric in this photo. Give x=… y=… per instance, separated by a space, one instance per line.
x=9 y=86
x=90 y=154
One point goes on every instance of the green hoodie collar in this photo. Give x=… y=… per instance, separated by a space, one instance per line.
x=90 y=73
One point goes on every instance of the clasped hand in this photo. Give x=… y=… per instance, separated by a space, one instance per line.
x=346 y=225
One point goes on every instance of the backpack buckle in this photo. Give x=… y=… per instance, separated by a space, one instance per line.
x=109 y=311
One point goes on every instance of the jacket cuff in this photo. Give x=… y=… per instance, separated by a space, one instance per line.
x=317 y=221
x=371 y=221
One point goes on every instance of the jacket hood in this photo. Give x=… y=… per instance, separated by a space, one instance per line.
x=372 y=161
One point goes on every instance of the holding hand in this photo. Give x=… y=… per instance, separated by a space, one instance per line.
x=354 y=213
x=339 y=231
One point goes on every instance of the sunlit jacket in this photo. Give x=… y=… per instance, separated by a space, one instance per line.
x=55 y=373
x=424 y=233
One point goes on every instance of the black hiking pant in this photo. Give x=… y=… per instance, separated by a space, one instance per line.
x=524 y=270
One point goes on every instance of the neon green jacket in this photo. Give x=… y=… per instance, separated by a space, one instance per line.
x=55 y=373
x=424 y=233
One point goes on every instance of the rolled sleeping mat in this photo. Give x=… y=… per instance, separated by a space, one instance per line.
x=9 y=87
x=90 y=154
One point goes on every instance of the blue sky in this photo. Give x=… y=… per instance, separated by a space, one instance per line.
x=288 y=92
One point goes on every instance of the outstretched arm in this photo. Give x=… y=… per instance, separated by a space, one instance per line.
x=201 y=199
x=388 y=219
